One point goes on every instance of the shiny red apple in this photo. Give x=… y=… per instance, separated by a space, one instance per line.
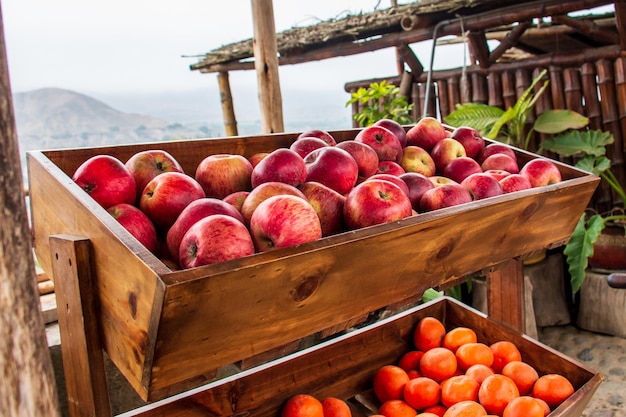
x=282 y=165
x=416 y=159
x=383 y=141
x=482 y=186
x=263 y=192
x=107 y=180
x=328 y=204
x=444 y=195
x=541 y=172
x=333 y=167
x=375 y=202
x=137 y=224
x=425 y=133
x=223 y=174
x=470 y=138
x=145 y=165
x=366 y=158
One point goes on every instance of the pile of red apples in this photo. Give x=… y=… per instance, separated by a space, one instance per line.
x=233 y=206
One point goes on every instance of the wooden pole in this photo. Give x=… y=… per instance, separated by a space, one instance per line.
x=27 y=387
x=228 y=110
x=266 y=65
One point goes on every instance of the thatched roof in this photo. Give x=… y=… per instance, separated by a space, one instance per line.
x=414 y=22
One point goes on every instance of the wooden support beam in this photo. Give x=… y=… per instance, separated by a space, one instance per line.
x=266 y=65
x=228 y=110
x=588 y=28
x=620 y=16
x=510 y=40
x=505 y=294
x=28 y=384
x=409 y=57
x=479 y=48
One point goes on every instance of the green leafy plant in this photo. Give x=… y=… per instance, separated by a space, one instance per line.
x=590 y=146
x=509 y=126
x=381 y=101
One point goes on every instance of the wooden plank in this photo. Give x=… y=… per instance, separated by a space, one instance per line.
x=81 y=349
x=228 y=110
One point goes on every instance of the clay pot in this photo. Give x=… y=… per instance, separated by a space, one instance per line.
x=610 y=249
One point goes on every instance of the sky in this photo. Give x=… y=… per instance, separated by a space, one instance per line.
x=141 y=47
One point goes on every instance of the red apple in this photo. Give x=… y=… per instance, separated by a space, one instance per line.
x=395 y=127
x=236 y=199
x=470 y=138
x=392 y=178
x=304 y=145
x=438 y=180
x=319 y=133
x=498 y=173
x=494 y=148
x=213 y=239
x=375 y=202
x=460 y=168
x=107 y=180
x=426 y=132
x=195 y=211
x=383 y=141
x=145 y=165
x=257 y=157
x=328 y=204
x=263 y=192
x=445 y=151
x=416 y=159
x=223 y=174
x=501 y=162
x=166 y=196
x=366 y=158
x=137 y=224
x=417 y=184
x=333 y=167
x=482 y=186
x=541 y=171
x=390 y=167
x=514 y=182
x=445 y=195
x=282 y=165
x=282 y=221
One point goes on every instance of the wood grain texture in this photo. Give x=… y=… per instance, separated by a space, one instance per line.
x=344 y=367
x=169 y=331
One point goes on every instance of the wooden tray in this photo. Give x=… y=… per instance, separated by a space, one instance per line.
x=344 y=367
x=168 y=331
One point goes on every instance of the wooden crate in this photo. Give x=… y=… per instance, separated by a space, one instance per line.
x=168 y=331
x=344 y=367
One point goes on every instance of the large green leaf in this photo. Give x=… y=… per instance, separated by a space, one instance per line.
x=505 y=118
x=479 y=116
x=431 y=294
x=590 y=142
x=557 y=121
x=580 y=247
x=594 y=164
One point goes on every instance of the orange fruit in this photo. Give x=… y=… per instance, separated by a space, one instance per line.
x=421 y=393
x=479 y=372
x=413 y=373
x=524 y=406
x=438 y=363
x=436 y=409
x=457 y=337
x=546 y=407
x=302 y=405
x=410 y=360
x=428 y=334
x=466 y=409
x=496 y=392
x=427 y=415
x=458 y=388
x=522 y=374
x=553 y=389
x=389 y=383
x=473 y=353
x=396 y=408
x=503 y=353
x=335 y=407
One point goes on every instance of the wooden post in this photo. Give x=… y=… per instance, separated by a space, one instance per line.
x=27 y=387
x=266 y=65
x=81 y=349
x=228 y=111
x=505 y=294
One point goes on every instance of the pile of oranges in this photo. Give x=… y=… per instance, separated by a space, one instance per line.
x=452 y=374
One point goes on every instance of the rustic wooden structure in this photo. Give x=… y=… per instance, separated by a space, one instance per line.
x=585 y=56
x=28 y=387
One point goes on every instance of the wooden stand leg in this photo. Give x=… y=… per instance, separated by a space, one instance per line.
x=505 y=294
x=81 y=348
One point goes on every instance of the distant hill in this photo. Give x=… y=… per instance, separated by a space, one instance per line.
x=55 y=118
